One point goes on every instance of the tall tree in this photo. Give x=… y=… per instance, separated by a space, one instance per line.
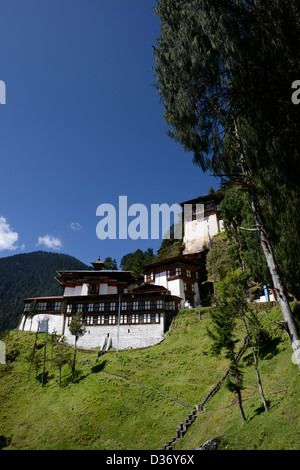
x=62 y=356
x=135 y=262
x=77 y=330
x=224 y=337
x=238 y=219
x=231 y=299
x=110 y=264
x=206 y=52
x=33 y=310
x=44 y=360
x=34 y=349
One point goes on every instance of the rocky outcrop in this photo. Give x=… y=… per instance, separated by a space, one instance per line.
x=212 y=444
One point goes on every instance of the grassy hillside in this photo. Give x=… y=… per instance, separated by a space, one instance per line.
x=104 y=411
x=29 y=275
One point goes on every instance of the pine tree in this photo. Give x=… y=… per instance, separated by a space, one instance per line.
x=77 y=330
x=223 y=335
x=207 y=54
x=61 y=357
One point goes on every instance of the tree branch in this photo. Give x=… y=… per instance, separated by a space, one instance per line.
x=249 y=229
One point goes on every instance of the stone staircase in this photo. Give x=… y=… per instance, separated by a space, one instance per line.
x=181 y=430
x=183 y=427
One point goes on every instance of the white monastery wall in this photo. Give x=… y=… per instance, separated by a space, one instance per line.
x=76 y=291
x=130 y=336
x=85 y=289
x=197 y=233
x=103 y=289
x=161 y=279
x=55 y=322
x=69 y=291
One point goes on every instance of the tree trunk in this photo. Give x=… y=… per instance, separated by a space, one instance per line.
x=44 y=364
x=36 y=335
x=260 y=387
x=74 y=359
x=239 y=248
x=237 y=380
x=269 y=255
x=24 y=321
x=255 y=358
x=277 y=282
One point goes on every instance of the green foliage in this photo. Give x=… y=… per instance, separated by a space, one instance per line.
x=76 y=326
x=219 y=260
x=77 y=329
x=170 y=246
x=226 y=63
x=135 y=262
x=61 y=357
x=110 y=264
x=103 y=412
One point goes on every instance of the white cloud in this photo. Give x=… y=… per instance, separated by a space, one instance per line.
x=50 y=242
x=75 y=226
x=8 y=238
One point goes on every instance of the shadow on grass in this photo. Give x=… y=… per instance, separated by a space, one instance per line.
x=4 y=442
x=99 y=367
x=78 y=377
x=268 y=349
x=260 y=410
x=47 y=377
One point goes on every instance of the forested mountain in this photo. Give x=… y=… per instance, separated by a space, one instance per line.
x=26 y=275
x=33 y=275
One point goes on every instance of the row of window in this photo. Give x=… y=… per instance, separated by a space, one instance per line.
x=139 y=318
x=105 y=306
x=170 y=273
x=125 y=306
x=210 y=208
x=45 y=306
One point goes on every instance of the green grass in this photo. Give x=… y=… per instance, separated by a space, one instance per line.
x=101 y=411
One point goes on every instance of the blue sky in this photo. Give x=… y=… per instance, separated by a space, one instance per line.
x=82 y=125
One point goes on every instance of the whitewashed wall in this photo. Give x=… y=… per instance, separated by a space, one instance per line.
x=76 y=291
x=55 y=322
x=130 y=336
x=196 y=233
x=161 y=279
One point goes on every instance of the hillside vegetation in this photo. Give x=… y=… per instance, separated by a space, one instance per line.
x=29 y=275
x=128 y=411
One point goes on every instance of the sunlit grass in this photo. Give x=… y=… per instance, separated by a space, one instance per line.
x=102 y=411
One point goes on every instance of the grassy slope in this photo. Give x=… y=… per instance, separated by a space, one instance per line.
x=101 y=411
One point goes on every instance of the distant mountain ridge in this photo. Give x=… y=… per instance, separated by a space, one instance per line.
x=29 y=275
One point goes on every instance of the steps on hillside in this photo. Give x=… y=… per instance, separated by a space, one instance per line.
x=182 y=427
x=181 y=430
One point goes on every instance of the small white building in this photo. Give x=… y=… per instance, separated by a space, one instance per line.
x=179 y=275
x=202 y=222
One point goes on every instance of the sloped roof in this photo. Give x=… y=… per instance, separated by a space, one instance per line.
x=147 y=287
